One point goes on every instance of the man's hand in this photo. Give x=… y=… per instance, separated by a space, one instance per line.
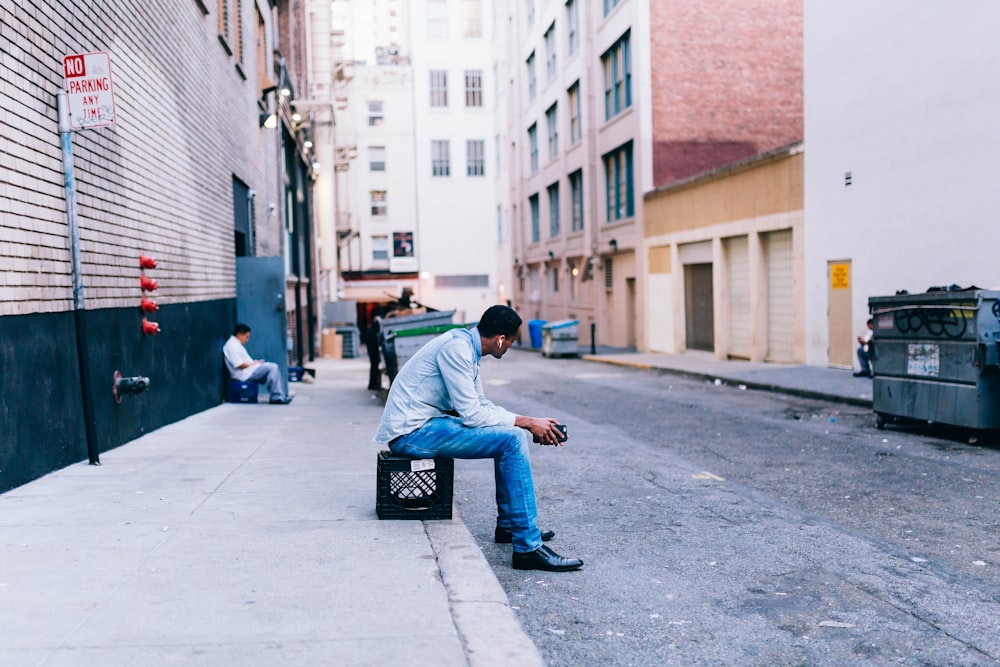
x=542 y=428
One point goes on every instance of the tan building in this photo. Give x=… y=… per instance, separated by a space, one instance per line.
x=604 y=102
x=725 y=257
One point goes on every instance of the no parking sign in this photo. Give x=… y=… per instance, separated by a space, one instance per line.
x=89 y=90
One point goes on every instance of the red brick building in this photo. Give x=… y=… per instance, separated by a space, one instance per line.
x=726 y=82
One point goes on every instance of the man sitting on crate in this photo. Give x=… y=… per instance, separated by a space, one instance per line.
x=244 y=368
x=442 y=380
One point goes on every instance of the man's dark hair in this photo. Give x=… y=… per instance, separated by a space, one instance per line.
x=499 y=320
x=240 y=329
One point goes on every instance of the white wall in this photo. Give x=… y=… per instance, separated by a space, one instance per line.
x=456 y=227
x=903 y=95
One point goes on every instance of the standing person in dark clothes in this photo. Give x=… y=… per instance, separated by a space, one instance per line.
x=374 y=353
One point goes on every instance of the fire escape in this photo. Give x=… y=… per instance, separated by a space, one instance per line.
x=345 y=147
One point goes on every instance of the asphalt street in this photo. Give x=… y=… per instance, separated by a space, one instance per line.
x=724 y=526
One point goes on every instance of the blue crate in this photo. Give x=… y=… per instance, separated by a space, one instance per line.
x=243 y=392
x=295 y=373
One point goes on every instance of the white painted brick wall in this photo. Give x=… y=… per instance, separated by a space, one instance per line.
x=158 y=182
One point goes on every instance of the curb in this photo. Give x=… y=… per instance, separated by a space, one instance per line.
x=488 y=628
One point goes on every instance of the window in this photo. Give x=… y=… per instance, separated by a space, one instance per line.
x=618 y=178
x=475 y=158
x=550 y=51
x=376 y=158
x=535 y=229
x=439 y=88
x=440 y=162
x=437 y=19
x=575 y=126
x=468 y=280
x=553 y=191
x=473 y=88
x=553 y=279
x=533 y=147
x=379 y=205
x=617 y=78
x=609 y=5
x=550 y=118
x=375 y=116
x=576 y=195
x=531 y=76
x=499 y=227
x=572 y=26
x=265 y=68
x=380 y=248
x=472 y=24
x=230 y=28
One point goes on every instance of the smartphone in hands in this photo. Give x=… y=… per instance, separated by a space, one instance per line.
x=563 y=434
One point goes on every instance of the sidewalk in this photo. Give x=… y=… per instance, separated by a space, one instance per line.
x=247 y=535
x=831 y=384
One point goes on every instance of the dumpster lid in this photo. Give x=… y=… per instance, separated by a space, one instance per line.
x=561 y=324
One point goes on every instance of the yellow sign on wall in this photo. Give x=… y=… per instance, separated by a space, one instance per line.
x=840 y=276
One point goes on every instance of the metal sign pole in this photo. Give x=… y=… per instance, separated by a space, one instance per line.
x=69 y=180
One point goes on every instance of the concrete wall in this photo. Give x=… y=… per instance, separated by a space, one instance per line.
x=900 y=97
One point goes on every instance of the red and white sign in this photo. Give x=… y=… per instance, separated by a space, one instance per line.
x=89 y=91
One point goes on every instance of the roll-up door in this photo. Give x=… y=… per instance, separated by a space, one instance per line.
x=780 y=295
x=737 y=254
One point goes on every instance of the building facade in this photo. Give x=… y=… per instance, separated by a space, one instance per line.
x=902 y=149
x=725 y=261
x=416 y=197
x=612 y=100
x=186 y=174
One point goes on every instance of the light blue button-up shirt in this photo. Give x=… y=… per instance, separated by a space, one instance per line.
x=443 y=375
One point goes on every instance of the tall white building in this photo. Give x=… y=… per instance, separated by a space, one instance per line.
x=416 y=196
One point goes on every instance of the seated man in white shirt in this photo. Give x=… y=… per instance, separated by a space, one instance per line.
x=244 y=368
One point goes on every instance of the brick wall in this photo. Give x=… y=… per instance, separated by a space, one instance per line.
x=160 y=181
x=727 y=82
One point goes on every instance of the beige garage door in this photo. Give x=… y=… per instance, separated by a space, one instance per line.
x=738 y=264
x=780 y=295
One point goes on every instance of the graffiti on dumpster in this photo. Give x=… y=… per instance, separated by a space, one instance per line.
x=950 y=320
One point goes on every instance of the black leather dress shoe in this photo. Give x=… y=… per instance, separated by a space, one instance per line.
x=546 y=559
x=504 y=535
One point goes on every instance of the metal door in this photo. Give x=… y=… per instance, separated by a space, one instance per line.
x=780 y=295
x=737 y=253
x=699 y=318
x=260 y=304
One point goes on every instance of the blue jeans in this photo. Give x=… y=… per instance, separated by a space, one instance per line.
x=508 y=446
x=863 y=359
x=269 y=374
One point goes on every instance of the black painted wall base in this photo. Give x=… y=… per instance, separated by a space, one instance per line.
x=41 y=407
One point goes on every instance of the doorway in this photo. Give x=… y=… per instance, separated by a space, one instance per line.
x=699 y=318
x=840 y=350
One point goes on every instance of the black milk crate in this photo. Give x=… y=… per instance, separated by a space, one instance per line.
x=414 y=488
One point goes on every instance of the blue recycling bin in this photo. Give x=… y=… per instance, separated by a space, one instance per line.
x=535 y=332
